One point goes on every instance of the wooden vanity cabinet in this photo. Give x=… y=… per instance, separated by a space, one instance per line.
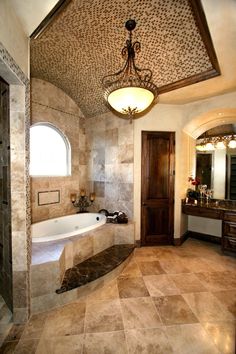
x=229 y=232
x=228 y=217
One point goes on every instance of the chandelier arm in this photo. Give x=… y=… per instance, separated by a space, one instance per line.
x=107 y=83
x=130 y=90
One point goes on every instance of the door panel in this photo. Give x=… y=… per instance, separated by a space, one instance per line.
x=157 y=188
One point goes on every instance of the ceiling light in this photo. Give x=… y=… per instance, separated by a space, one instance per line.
x=130 y=90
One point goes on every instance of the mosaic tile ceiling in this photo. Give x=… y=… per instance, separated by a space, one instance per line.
x=84 y=43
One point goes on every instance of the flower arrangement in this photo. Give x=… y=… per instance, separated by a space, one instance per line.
x=193 y=193
x=194 y=181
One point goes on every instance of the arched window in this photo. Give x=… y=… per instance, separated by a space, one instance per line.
x=49 y=151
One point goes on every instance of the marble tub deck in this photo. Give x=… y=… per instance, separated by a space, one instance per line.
x=95 y=267
x=167 y=300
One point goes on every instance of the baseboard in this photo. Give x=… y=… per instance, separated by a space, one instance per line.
x=179 y=241
x=192 y=234
x=204 y=237
x=137 y=243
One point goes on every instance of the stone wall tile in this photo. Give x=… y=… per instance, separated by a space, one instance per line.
x=124 y=233
x=126 y=153
x=111 y=155
x=125 y=135
x=83 y=249
x=125 y=191
x=19 y=250
x=111 y=137
x=45 y=278
x=20 y=289
x=99 y=189
x=103 y=239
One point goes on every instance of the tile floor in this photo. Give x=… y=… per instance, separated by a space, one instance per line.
x=167 y=300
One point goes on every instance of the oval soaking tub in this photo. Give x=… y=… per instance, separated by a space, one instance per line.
x=65 y=226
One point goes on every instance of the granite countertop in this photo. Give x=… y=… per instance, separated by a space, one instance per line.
x=225 y=205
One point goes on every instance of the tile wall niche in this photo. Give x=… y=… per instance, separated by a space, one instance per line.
x=110 y=162
x=50 y=104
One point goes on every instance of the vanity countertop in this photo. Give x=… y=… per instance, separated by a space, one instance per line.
x=215 y=209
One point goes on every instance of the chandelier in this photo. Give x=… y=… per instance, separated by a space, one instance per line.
x=130 y=90
x=216 y=143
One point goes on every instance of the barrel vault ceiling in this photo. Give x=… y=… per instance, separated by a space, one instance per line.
x=83 y=44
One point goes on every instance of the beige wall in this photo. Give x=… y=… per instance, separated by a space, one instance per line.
x=50 y=104
x=13 y=36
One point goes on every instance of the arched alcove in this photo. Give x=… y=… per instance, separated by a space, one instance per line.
x=211 y=119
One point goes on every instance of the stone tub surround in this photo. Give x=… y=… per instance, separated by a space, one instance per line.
x=50 y=104
x=50 y=260
x=95 y=267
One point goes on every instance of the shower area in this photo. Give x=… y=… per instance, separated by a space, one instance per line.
x=5 y=199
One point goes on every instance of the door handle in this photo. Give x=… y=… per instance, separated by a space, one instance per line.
x=144 y=204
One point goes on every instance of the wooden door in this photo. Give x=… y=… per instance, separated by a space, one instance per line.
x=157 y=195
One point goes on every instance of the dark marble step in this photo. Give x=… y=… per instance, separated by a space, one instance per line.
x=95 y=267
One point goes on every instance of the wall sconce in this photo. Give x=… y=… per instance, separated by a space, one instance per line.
x=73 y=197
x=83 y=202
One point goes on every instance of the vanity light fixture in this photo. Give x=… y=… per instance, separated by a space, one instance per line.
x=216 y=143
x=130 y=90
x=232 y=142
x=220 y=144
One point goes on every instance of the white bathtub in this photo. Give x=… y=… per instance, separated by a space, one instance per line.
x=65 y=226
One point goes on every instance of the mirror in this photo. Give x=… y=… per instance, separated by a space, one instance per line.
x=216 y=164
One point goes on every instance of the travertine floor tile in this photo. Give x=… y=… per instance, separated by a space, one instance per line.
x=103 y=316
x=207 y=308
x=34 y=327
x=145 y=254
x=196 y=264
x=66 y=320
x=223 y=335
x=139 y=313
x=173 y=266
x=165 y=253
x=61 y=345
x=148 y=341
x=150 y=268
x=228 y=299
x=105 y=343
x=127 y=302
x=174 y=310
x=131 y=270
x=26 y=346
x=215 y=263
x=132 y=287
x=107 y=292
x=15 y=332
x=159 y=285
x=190 y=338
x=214 y=281
x=187 y=283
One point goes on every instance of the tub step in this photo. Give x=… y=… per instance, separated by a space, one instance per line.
x=95 y=267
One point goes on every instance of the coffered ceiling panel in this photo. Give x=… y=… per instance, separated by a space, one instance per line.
x=83 y=44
